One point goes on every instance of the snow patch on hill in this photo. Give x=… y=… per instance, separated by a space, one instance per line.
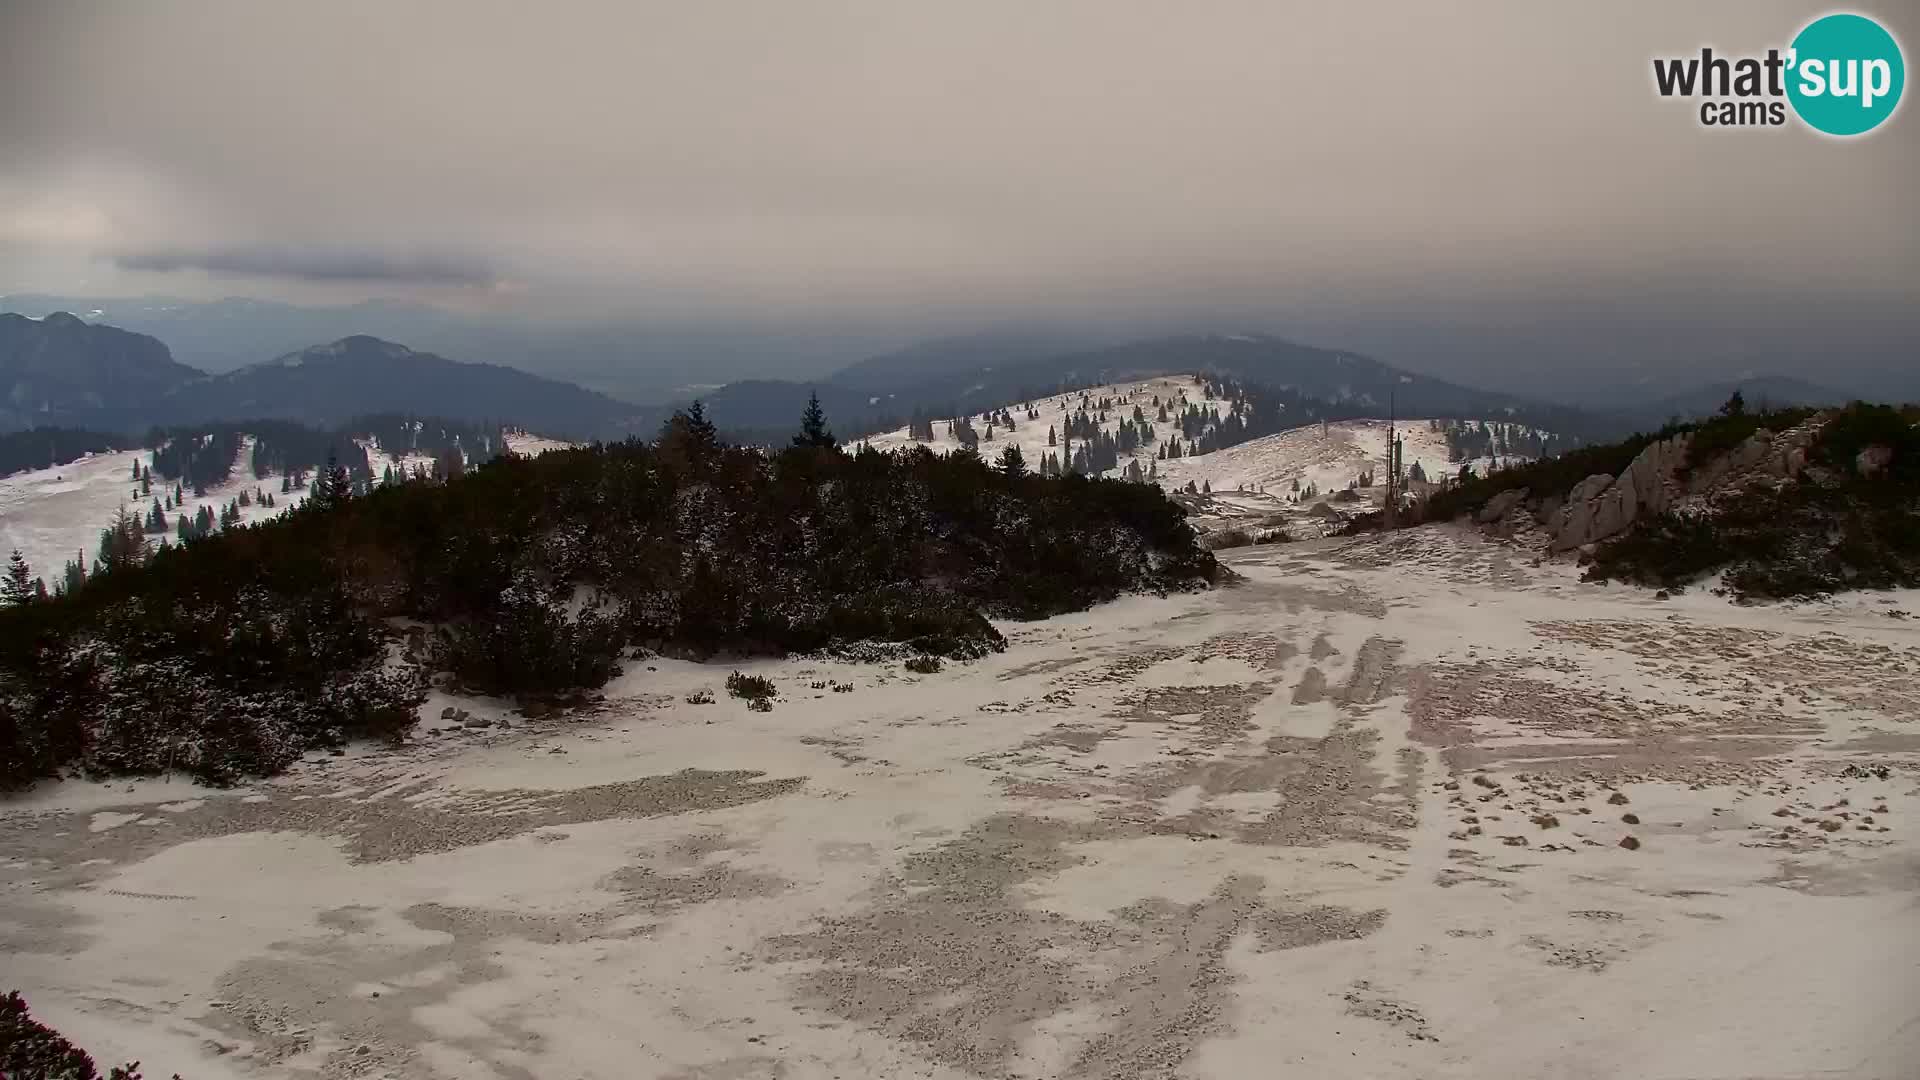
x=52 y=514
x=529 y=445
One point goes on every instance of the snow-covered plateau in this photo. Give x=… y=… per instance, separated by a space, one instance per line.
x=1402 y=805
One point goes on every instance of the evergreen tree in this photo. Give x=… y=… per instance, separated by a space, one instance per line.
x=689 y=432
x=73 y=575
x=1013 y=462
x=18 y=588
x=1735 y=406
x=813 y=426
x=123 y=544
x=1050 y=436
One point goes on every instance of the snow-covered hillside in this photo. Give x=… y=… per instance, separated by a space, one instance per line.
x=52 y=514
x=1254 y=479
x=529 y=445
x=1329 y=457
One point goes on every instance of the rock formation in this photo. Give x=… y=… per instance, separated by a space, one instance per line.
x=1603 y=506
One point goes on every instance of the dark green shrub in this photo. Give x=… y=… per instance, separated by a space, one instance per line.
x=30 y=1050
x=750 y=687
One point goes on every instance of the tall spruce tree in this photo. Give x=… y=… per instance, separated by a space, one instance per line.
x=18 y=588
x=1013 y=462
x=813 y=426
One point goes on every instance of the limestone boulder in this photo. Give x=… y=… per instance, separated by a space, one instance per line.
x=1500 y=506
x=1574 y=524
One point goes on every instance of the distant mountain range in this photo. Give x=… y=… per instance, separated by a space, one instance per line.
x=62 y=370
x=631 y=358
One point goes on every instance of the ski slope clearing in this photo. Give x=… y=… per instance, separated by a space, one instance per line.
x=528 y=445
x=1397 y=806
x=53 y=514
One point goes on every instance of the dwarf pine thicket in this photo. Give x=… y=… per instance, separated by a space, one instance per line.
x=30 y=1049
x=229 y=655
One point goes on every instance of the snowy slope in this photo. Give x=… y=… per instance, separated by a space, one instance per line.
x=1329 y=458
x=51 y=514
x=529 y=445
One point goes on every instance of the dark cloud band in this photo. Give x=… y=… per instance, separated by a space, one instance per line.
x=318 y=266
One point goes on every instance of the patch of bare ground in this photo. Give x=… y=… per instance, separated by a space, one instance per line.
x=374 y=829
x=1590 y=729
x=1463 y=557
x=946 y=956
x=351 y=998
x=1311 y=688
x=1258 y=650
x=1858 y=673
x=1365 y=1001
x=1295 y=598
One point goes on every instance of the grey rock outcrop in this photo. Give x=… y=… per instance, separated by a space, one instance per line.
x=1574 y=524
x=1601 y=506
x=1500 y=506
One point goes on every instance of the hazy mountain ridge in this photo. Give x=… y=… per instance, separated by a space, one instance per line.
x=107 y=378
x=329 y=384
x=60 y=369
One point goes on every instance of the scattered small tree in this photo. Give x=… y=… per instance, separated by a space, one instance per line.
x=1013 y=462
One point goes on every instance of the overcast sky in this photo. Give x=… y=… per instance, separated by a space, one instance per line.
x=1392 y=173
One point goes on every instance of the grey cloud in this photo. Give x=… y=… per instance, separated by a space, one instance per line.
x=1498 y=176
x=317 y=266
